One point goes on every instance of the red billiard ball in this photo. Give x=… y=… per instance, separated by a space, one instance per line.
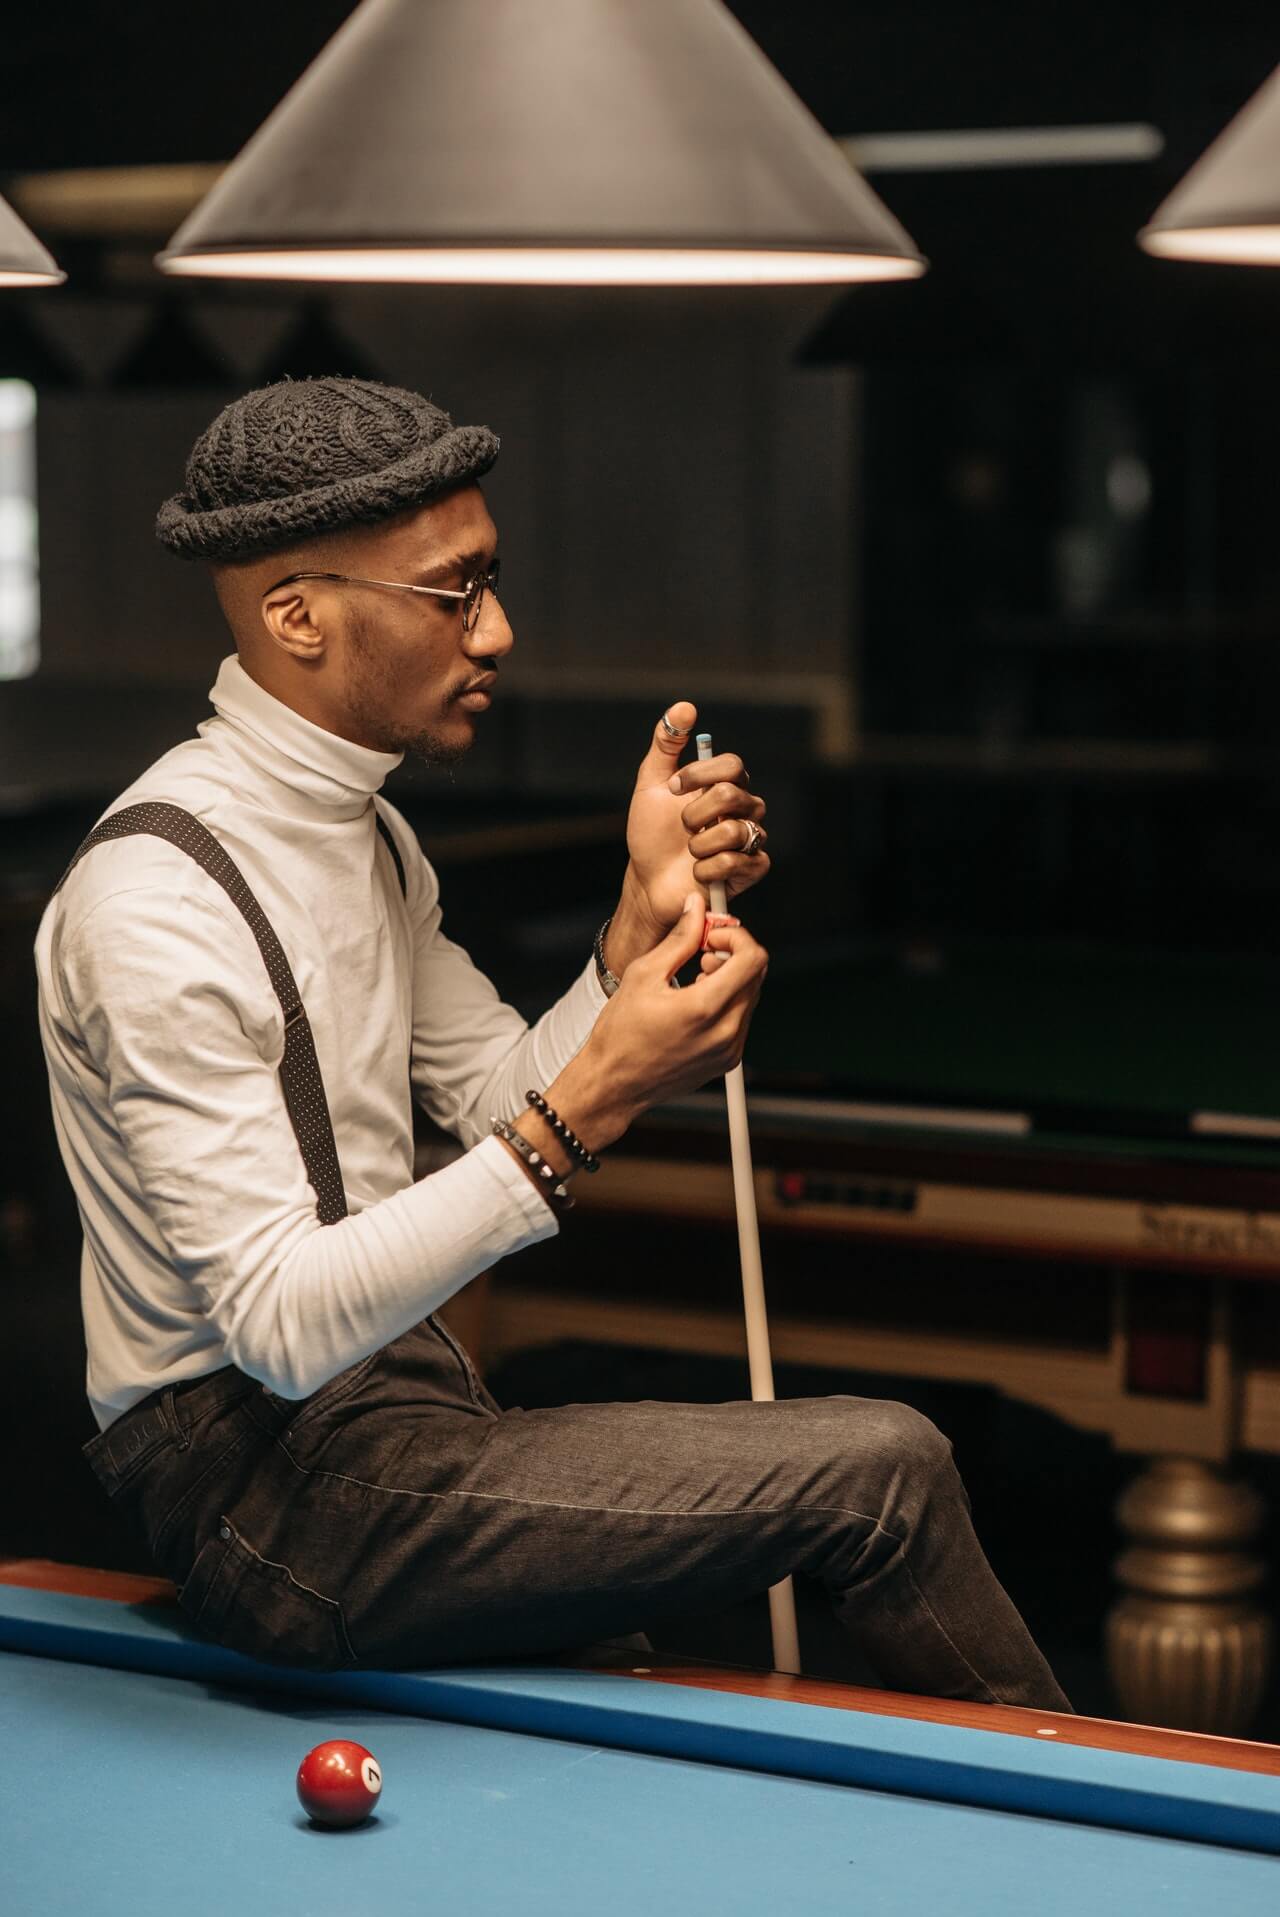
x=339 y=1783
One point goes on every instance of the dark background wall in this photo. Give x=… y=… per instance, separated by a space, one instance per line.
x=872 y=534
x=672 y=498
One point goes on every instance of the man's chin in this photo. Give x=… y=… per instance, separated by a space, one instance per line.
x=441 y=749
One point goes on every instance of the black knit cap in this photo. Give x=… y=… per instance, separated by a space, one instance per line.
x=310 y=456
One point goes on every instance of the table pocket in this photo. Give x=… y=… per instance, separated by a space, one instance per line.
x=253 y=1605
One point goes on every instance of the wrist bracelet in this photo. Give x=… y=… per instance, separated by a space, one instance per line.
x=550 y=1183
x=608 y=983
x=569 y=1139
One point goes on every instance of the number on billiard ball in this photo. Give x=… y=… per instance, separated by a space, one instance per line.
x=339 y=1783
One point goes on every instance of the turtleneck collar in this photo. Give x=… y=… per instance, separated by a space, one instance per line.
x=317 y=765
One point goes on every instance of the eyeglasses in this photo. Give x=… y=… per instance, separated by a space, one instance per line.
x=469 y=597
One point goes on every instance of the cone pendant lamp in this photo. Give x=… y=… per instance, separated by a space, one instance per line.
x=581 y=142
x=1228 y=207
x=23 y=261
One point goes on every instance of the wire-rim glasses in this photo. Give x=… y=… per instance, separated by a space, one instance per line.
x=469 y=597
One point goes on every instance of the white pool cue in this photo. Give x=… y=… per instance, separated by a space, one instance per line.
x=782 y=1597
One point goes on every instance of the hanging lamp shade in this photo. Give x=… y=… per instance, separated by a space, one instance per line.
x=23 y=261
x=580 y=142
x=1227 y=208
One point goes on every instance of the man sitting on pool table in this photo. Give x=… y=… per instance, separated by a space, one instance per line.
x=307 y=1451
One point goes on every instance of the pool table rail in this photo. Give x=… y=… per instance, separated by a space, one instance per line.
x=1095 y=1733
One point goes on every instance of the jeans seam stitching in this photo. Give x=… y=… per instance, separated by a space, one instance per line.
x=630 y=1511
x=331 y=1605
x=977 y=1676
x=468 y=1370
x=184 y=1503
x=324 y=1402
x=616 y=1510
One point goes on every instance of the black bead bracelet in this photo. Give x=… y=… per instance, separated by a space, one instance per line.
x=550 y=1184
x=568 y=1138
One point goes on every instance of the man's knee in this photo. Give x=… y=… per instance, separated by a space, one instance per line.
x=916 y=1439
x=905 y=1447
x=888 y=1465
x=871 y=1453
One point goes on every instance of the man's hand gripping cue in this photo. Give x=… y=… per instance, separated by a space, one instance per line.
x=650 y=1043
x=685 y=821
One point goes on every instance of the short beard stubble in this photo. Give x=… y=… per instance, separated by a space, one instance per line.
x=369 y=697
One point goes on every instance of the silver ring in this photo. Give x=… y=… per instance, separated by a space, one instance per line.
x=674 y=732
x=754 y=836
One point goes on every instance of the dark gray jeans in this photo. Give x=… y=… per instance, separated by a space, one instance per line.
x=399 y=1518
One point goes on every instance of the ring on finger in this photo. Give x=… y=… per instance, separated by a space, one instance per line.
x=751 y=845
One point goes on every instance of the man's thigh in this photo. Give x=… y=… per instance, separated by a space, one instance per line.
x=537 y=1530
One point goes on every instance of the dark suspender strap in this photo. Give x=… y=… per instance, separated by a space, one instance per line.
x=394 y=850
x=300 y=1078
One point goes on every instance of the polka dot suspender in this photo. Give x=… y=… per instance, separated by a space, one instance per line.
x=300 y=1079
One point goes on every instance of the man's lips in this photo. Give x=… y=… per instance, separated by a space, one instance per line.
x=476 y=696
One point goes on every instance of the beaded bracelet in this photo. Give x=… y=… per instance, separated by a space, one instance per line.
x=549 y=1182
x=569 y=1139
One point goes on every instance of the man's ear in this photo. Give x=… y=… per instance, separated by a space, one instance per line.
x=289 y=614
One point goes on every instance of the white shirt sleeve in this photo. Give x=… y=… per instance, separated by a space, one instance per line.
x=179 y=1022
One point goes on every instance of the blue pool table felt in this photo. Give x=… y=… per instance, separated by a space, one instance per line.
x=148 y=1770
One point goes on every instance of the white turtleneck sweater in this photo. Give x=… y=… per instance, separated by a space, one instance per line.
x=163 y=1038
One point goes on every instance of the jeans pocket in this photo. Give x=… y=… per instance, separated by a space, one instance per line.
x=476 y=1392
x=330 y=1394
x=253 y=1605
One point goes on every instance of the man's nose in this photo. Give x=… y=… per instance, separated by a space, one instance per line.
x=491 y=637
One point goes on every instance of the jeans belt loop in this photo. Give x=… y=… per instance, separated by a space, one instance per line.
x=169 y=1408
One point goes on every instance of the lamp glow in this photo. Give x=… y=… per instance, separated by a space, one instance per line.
x=1227 y=209
x=567 y=142
x=1222 y=245
x=23 y=261
x=547 y=266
